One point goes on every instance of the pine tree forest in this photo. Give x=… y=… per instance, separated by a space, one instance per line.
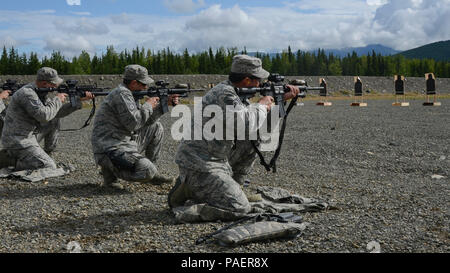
x=218 y=61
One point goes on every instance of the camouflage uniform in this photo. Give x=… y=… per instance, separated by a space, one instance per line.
x=49 y=133
x=2 y=106
x=123 y=131
x=2 y=115
x=209 y=169
x=26 y=114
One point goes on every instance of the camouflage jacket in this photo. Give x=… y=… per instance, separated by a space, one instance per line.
x=2 y=115
x=26 y=112
x=209 y=155
x=2 y=106
x=117 y=120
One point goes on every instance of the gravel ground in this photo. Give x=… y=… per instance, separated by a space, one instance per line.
x=336 y=84
x=376 y=164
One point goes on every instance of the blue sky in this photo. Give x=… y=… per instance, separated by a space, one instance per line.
x=71 y=26
x=107 y=7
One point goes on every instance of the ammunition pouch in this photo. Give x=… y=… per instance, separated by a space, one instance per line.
x=261 y=227
x=253 y=232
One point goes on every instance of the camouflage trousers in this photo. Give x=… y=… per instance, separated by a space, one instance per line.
x=30 y=158
x=218 y=194
x=141 y=168
x=2 y=116
x=49 y=132
x=242 y=159
x=34 y=157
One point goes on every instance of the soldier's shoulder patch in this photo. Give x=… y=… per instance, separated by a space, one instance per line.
x=132 y=106
x=36 y=103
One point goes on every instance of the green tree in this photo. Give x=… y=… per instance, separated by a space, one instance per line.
x=33 y=64
x=84 y=61
x=4 y=61
x=335 y=68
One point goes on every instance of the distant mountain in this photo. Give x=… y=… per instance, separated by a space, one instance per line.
x=439 y=51
x=379 y=49
x=343 y=52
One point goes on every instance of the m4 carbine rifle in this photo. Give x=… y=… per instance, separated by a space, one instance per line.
x=12 y=86
x=70 y=88
x=162 y=91
x=73 y=91
x=275 y=88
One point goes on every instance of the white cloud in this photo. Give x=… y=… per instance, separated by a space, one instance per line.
x=121 y=19
x=81 y=13
x=73 y=2
x=412 y=23
x=331 y=7
x=306 y=24
x=144 y=28
x=71 y=46
x=82 y=26
x=183 y=6
x=376 y=2
x=310 y=24
x=9 y=41
x=276 y=28
x=217 y=18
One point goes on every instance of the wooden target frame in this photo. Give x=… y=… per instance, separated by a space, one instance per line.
x=358 y=92
x=323 y=93
x=430 y=84
x=399 y=90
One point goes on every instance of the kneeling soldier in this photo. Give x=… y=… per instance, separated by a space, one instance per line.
x=48 y=131
x=124 y=131
x=27 y=112
x=211 y=171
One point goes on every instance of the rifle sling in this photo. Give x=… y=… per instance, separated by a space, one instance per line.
x=87 y=122
x=272 y=165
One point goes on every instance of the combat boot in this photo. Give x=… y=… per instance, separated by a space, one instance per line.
x=245 y=184
x=110 y=181
x=159 y=179
x=177 y=195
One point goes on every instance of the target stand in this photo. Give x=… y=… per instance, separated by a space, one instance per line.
x=400 y=104
x=436 y=103
x=324 y=93
x=359 y=104
x=399 y=83
x=431 y=90
x=358 y=93
x=404 y=103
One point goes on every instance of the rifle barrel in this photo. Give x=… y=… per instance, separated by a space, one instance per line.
x=100 y=93
x=158 y=92
x=268 y=89
x=306 y=88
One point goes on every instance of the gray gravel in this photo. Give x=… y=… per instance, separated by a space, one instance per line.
x=386 y=168
x=336 y=84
